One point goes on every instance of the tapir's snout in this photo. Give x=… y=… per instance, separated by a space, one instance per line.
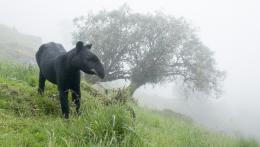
x=100 y=71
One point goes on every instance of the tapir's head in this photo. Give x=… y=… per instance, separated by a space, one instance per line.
x=87 y=61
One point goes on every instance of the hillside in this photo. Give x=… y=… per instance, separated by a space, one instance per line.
x=16 y=46
x=27 y=119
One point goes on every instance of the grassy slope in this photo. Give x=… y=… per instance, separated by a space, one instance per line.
x=16 y=46
x=27 y=119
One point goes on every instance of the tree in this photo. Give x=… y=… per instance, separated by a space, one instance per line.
x=149 y=48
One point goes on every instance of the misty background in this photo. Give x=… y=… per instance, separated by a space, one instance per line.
x=230 y=28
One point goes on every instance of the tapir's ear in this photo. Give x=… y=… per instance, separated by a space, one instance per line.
x=88 y=46
x=79 y=46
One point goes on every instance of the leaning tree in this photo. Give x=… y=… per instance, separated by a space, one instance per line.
x=149 y=48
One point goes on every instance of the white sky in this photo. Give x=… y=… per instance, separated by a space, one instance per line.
x=231 y=28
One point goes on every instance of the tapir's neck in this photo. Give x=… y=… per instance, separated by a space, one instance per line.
x=69 y=62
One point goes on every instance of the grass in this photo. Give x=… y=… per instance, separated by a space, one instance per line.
x=27 y=119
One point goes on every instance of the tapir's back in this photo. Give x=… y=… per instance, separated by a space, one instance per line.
x=46 y=57
x=48 y=52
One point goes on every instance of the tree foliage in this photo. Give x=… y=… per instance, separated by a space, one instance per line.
x=149 y=48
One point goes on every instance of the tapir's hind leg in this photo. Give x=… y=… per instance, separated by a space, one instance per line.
x=42 y=80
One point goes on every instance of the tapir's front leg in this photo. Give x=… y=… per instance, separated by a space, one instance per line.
x=64 y=102
x=76 y=97
x=61 y=78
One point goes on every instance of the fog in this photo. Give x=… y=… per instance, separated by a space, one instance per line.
x=230 y=28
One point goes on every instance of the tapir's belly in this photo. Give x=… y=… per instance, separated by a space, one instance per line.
x=49 y=72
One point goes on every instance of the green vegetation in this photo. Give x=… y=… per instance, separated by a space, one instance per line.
x=27 y=119
x=15 y=46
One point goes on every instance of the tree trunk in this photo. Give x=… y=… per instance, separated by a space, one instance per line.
x=133 y=87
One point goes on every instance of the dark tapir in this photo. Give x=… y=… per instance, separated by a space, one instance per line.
x=63 y=68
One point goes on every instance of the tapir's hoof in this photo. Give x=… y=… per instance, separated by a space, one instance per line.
x=66 y=116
